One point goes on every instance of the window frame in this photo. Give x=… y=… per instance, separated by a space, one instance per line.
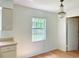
x=41 y=28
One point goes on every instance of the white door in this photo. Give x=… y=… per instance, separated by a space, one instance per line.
x=72 y=34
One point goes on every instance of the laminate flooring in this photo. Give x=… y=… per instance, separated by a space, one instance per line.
x=58 y=54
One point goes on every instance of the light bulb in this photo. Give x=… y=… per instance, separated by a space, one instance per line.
x=61 y=14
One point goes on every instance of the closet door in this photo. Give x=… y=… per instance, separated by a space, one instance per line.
x=72 y=34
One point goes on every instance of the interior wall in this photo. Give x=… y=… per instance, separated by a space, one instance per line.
x=23 y=31
x=62 y=33
x=73 y=13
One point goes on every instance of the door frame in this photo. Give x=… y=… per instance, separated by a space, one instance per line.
x=67 y=31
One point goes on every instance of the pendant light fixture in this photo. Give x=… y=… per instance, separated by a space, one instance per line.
x=61 y=13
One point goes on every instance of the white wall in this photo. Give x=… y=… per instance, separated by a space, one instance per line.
x=72 y=13
x=62 y=33
x=23 y=31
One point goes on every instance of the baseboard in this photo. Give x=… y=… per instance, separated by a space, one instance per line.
x=34 y=54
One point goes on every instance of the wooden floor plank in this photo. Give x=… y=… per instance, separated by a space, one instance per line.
x=58 y=54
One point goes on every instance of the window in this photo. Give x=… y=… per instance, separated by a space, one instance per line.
x=0 y=18
x=38 y=29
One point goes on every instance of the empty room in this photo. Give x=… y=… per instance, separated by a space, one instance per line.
x=39 y=29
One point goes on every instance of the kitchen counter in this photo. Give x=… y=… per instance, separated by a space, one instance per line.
x=8 y=48
x=7 y=41
x=2 y=44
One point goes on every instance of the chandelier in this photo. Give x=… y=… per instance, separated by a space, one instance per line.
x=61 y=13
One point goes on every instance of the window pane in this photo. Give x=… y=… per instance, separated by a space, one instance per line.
x=38 y=34
x=0 y=18
x=38 y=29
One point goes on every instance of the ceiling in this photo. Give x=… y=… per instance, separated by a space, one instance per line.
x=49 y=5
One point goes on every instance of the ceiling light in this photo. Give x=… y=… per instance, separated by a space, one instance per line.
x=61 y=13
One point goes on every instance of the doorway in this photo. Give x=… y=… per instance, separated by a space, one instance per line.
x=72 y=32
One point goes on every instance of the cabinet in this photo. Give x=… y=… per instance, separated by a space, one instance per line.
x=8 y=51
x=6 y=19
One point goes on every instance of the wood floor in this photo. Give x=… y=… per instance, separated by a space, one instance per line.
x=58 y=54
